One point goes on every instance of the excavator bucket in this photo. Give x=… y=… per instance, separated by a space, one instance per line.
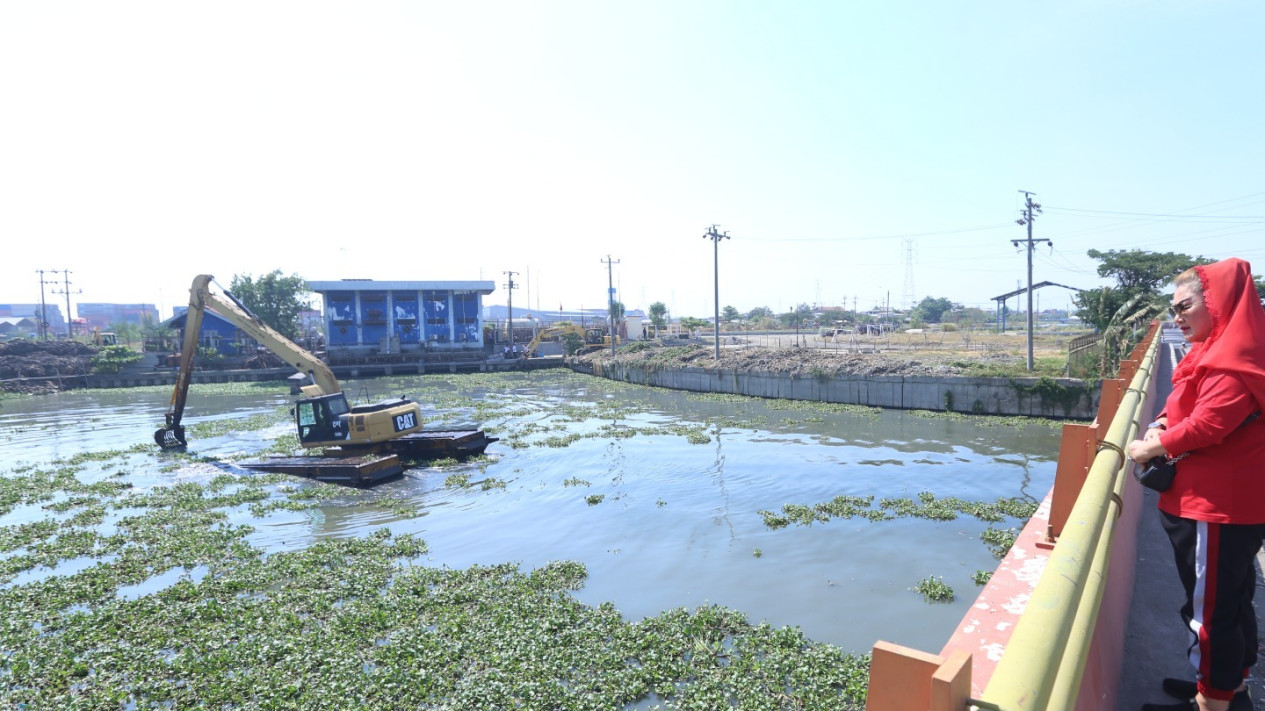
x=170 y=437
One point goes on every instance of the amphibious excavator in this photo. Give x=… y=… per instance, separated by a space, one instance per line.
x=322 y=415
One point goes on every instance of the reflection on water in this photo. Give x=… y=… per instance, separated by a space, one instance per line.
x=678 y=522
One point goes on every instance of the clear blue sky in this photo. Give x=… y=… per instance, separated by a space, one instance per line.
x=142 y=143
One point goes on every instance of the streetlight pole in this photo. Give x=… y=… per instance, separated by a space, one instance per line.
x=716 y=237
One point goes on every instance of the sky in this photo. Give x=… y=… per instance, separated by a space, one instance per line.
x=856 y=153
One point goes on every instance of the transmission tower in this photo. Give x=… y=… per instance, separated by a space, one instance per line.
x=910 y=299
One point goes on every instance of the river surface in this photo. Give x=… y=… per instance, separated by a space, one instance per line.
x=660 y=518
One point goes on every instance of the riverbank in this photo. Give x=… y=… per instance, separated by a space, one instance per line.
x=948 y=383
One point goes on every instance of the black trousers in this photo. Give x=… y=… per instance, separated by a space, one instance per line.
x=1215 y=564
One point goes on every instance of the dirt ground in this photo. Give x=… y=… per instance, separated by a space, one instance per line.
x=963 y=354
x=20 y=359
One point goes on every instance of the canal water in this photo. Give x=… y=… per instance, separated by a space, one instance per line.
x=658 y=493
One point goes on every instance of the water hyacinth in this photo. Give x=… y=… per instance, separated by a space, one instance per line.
x=347 y=622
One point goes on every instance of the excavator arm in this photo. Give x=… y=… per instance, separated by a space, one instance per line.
x=226 y=305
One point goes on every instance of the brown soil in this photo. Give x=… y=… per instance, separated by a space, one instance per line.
x=817 y=358
x=36 y=360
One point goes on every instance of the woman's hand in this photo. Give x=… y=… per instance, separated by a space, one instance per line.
x=1145 y=449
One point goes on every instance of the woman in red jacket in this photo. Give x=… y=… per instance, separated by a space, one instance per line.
x=1214 y=513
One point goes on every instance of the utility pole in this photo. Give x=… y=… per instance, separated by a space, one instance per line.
x=70 y=327
x=716 y=237
x=510 y=286
x=43 y=307
x=610 y=298
x=1029 y=215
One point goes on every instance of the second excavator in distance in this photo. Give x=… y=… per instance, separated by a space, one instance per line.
x=322 y=416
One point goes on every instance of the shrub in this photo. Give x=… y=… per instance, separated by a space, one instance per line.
x=112 y=359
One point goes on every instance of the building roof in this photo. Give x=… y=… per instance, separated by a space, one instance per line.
x=323 y=287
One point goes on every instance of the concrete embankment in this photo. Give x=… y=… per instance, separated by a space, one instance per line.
x=1032 y=397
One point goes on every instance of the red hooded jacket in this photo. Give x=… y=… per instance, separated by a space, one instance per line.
x=1217 y=386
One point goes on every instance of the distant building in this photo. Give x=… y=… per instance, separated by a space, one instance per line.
x=52 y=316
x=366 y=317
x=18 y=327
x=217 y=333
x=100 y=316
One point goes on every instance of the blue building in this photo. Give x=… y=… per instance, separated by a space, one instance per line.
x=366 y=317
x=217 y=333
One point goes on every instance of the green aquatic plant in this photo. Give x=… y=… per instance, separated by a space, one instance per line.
x=352 y=618
x=934 y=590
x=999 y=541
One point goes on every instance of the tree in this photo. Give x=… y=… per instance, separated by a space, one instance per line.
x=729 y=314
x=1138 y=274
x=759 y=312
x=1099 y=306
x=276 y=299
x=126 y=331
x=1138 y=270
x=798 y=317
x=659 y=314
x=931 y=310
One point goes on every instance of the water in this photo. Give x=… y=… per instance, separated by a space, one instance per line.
x=678 y=523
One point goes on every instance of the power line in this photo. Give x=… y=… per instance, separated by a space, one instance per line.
x=876 y=237
x=1158 y=215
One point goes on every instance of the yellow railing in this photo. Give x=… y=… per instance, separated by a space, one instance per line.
x=1046 y=654
x=1045 y=658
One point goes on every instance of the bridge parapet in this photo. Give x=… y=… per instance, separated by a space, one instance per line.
x=1033 y=638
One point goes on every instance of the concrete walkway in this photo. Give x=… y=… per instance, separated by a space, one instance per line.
x=1156 y=639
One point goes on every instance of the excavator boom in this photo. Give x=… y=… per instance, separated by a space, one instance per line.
x=331 y=424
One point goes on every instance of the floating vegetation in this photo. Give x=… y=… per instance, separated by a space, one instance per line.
x=594 y=499
x=999 y=540
x=933 y=590
x=991 y=420
x=575 y=482
x=927 y=506
x=981 y=577
x=460 y=480
x=207 y=621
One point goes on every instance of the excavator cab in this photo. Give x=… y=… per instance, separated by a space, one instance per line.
x=322 y=419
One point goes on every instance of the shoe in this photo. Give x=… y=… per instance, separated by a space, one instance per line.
x=1180 y=688
x=1187 y=705
x=1186 y=690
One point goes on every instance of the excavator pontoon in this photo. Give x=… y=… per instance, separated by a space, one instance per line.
x=376 y=436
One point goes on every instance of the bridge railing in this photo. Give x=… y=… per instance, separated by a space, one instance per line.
x=1045 y=652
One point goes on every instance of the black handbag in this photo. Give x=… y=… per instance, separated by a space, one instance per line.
x=1160 y=471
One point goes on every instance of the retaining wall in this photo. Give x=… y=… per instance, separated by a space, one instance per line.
x=1033 y=397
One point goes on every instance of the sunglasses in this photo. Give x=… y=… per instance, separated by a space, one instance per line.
x=1180 y=308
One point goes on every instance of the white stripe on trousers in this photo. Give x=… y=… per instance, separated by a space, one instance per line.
x=1201 y=579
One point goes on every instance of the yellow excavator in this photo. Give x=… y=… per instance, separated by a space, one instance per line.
x=322 y=415
x=592 y=338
